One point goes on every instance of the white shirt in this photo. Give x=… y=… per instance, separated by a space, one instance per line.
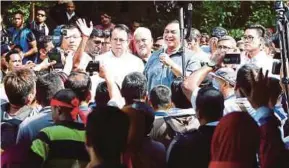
x=261 y=60
x=70 y=16
x=122 y=65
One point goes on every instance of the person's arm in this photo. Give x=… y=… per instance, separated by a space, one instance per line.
x=85 y=31
x=113 y=90
x=33 y=49
x=167 y=61
x=192 y=82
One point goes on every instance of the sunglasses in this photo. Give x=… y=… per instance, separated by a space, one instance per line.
x=39 y=14
x=157 y=45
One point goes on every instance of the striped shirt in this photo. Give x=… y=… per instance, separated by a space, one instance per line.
x=61 y=145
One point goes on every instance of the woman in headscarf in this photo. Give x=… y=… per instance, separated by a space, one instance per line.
x=235 y=142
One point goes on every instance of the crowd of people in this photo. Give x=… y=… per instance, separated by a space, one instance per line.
x=110 y=96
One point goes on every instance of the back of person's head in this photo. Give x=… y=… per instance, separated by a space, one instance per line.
x=243 y=80
x=210 y=104
x=110 y=142
x=19 y=86
x=47 y=85
x=275 y=90
x=80 y=83
x=67 y=102
x=235 y=141
x=101 y=94
x=141 y=122
x=134 y=87
x=178 y=97
x=160 y=97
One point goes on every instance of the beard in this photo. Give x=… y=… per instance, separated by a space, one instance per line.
x=143 y=52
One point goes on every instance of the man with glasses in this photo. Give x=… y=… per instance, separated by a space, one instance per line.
x=23 y=37
x=119 y=61
x=254 y=41
x=106 y=46
x=94 y=44
x=165 y=65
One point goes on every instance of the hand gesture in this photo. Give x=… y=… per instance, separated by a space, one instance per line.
x=45 y=64
x=104 y=72
x=86 y=31
x=165 y=59
x=259 y=95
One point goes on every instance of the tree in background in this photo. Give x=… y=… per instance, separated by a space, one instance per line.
x=232 y=15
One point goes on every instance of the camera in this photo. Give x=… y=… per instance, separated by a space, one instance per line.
x=93 y=66
x=55 y=55
x=232 y=58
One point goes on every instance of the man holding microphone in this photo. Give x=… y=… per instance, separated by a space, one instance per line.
x=166 y=64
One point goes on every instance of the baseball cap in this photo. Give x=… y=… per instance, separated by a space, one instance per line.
x=226 y=74
x=219 y=32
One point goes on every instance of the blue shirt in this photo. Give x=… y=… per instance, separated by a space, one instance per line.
x=30 y=127
x=157 y=74
x=22 y=38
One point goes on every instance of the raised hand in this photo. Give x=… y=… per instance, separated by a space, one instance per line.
x=259 y=95
x=86 y=31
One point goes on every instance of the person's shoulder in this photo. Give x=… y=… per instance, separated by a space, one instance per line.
x=133 y=57
x=103 y=56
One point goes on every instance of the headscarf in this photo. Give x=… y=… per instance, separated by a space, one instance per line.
x=235 y=142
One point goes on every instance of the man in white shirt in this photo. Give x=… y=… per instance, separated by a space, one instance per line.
x=119 y=61
x=254 y=39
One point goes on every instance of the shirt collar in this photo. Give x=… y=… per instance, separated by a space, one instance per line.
x=70 y=16
x=214 y=123
x=259 y=57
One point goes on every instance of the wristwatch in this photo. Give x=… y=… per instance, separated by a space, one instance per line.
x=212 y=65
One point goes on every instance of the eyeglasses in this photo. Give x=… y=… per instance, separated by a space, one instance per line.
x=141 y=40
x=39 y=14
x=223 y=47
x=97 y=42
x=119 y=40
x=157 y=45
x=248 y=38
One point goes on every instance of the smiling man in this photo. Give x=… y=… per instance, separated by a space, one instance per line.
x=166 y=64
x=143 y=42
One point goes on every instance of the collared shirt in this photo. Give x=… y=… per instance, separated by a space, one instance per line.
x=157 y=74
x=261 y=60
x=214 y=123
x=70 y=16
x=122 y=65
x=31 y=126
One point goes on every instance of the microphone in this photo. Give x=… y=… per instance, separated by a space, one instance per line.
x=163 y=55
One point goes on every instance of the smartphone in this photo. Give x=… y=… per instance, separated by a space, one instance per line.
x=92 y=66
x=276 y=67
x=232 y=58
x=55 y=55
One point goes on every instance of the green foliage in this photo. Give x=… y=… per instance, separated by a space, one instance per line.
x=232 y=15
x=23 y=6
